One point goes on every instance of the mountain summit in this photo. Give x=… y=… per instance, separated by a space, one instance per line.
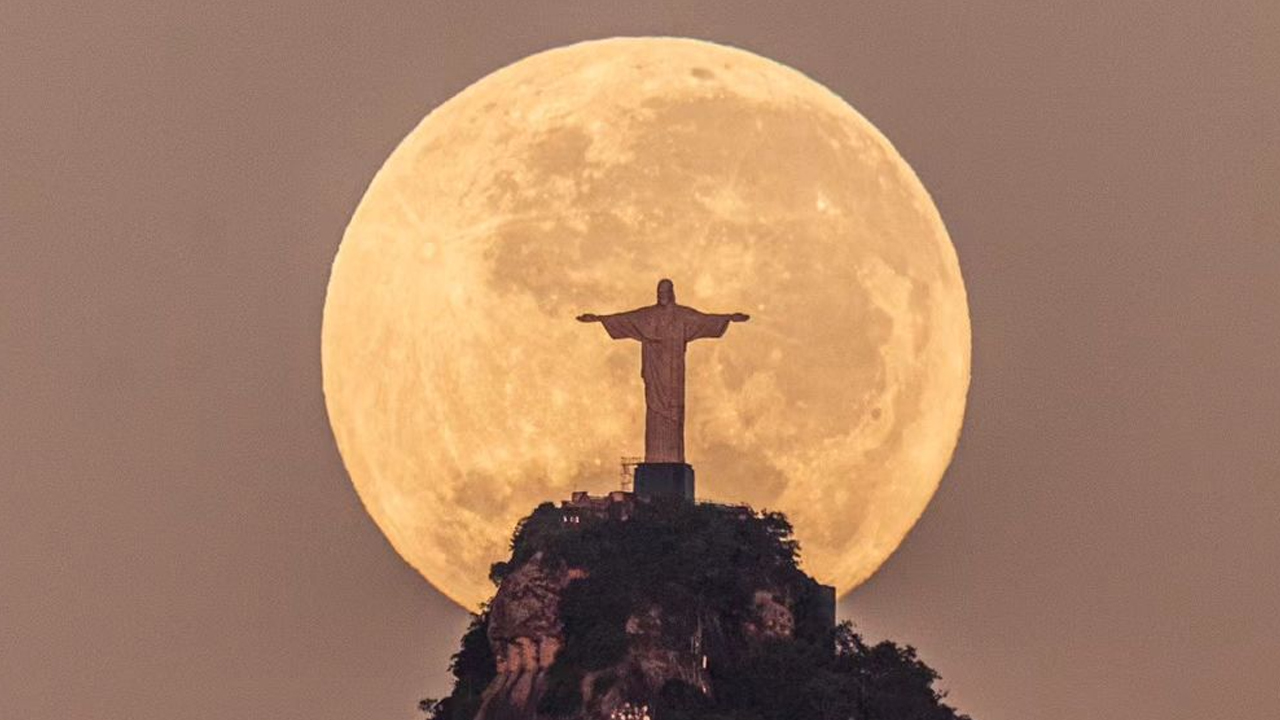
x=627 y=607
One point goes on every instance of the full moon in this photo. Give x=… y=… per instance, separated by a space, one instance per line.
x=462 y=393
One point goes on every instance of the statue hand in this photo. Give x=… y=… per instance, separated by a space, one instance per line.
x=588 y=317
x=739 y=317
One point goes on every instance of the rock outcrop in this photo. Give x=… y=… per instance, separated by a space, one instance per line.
x=616 y=609
x=662 y=645
x=525 y=634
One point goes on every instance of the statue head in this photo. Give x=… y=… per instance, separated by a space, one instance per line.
x=666 y=292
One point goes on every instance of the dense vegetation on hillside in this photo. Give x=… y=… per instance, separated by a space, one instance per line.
x=701 y=565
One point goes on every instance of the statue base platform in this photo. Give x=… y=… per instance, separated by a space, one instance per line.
x=665 y=479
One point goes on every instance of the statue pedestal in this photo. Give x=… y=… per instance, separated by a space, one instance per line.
x=665 y=479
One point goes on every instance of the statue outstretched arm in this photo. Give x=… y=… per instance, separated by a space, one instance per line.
x=621 y=325
x=710 y=325
x=592 y=317
x=731 y=317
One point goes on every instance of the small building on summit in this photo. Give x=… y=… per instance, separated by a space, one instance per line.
x=617 y=505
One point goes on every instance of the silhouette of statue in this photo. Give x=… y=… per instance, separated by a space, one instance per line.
x=663 y=330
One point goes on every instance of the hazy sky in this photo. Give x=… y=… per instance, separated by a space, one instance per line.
x=177 y=534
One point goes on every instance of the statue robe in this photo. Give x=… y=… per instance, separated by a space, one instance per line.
x=663 y=331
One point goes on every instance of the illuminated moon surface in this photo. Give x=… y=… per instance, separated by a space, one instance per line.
x=462 y=392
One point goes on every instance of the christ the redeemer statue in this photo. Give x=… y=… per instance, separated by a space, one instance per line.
x=663 y=330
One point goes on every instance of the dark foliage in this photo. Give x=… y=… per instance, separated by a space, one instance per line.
x=472 y=667
x=700 y=565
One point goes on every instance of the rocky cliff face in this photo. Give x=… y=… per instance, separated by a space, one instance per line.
x=526 y=634
x=614 y=609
